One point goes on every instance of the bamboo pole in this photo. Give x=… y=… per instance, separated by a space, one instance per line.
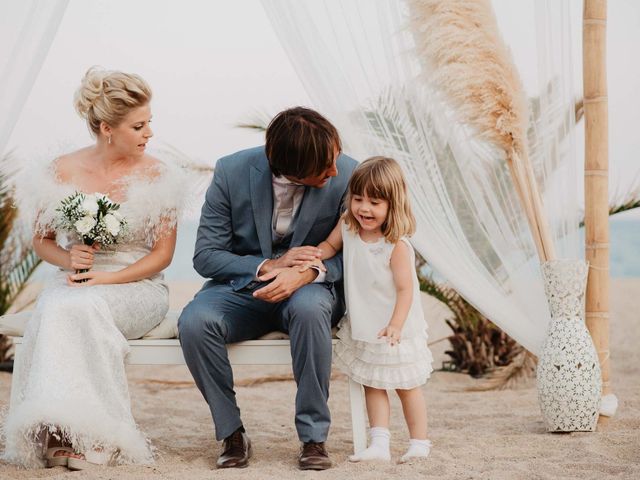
x=596 y=179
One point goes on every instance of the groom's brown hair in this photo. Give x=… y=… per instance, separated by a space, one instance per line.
x=301 y=143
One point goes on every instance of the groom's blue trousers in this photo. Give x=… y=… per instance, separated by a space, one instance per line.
x=218 y=315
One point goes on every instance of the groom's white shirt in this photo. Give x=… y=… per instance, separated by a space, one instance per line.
x=282 y=188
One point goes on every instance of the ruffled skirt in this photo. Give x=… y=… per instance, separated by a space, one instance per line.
x=404 y=366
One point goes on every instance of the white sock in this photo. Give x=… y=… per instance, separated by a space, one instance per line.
x=378 y=446
x=417 y=449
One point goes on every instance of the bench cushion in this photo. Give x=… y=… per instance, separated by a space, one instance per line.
x=13 y=324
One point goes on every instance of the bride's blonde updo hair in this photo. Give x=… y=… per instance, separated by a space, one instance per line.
x=108 y=96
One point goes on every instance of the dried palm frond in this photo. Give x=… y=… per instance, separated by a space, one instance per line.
x=463 y=57
x=579 y=110
x=630 y=203
x=14 y=277
x=551 y=121
x=243 y=382
x=199 y=176
x=17 y=258
x=258 y=122
x=625 y=202
x=521 y=368
x=287 y=377
x=181 y=159
x=477 y=345
x=167 y=383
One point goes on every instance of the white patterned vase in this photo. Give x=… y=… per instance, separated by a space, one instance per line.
x=569 y=379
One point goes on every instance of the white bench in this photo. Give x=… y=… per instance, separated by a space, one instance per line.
x=252 y=352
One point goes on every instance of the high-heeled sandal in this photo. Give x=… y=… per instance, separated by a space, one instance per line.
x=53 y=460
x=92 y=459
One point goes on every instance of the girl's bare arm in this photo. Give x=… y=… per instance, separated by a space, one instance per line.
x=402 y=270
x=333 y=243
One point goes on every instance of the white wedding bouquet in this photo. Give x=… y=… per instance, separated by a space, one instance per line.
x=93 y=218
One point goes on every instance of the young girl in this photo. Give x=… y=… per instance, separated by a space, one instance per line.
x=383 y=342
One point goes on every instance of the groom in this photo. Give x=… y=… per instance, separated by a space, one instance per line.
x=266 y=209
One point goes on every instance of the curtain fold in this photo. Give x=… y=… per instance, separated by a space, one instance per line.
x=27 y=30
x=358 y=64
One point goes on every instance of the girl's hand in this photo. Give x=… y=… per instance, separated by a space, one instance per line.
x=391 y=333
x=92 y=277
x=317 y=263
x=81 y=256
x=298 y=256
x=293 y=257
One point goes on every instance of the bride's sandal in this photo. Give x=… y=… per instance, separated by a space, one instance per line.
x=60 y=460
x=91 y=459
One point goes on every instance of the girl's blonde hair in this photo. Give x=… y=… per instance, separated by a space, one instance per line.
x=382 y=178
x=108 y=96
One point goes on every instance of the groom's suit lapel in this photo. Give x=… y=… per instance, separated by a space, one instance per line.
x=311 y=202
x=262 y=203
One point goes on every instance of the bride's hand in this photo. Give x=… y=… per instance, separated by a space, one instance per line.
x=81 y=256
x=92 y=277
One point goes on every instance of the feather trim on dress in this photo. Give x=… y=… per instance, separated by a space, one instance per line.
x=153 y=203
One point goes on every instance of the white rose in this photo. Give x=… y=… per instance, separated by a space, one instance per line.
x=90 y=205
x=112 y=223
x=117 y=214
x=85 y=224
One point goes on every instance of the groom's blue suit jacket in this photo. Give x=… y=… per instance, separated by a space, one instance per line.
x=234 y=235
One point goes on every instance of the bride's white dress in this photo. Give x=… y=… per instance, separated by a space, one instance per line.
x=72 y=376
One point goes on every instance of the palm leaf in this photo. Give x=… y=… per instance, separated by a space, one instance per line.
x=17 y=257
x=258 y=121
x=625 y=202
x=478 y=346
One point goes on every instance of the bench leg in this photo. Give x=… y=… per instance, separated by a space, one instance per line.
x=358 y=425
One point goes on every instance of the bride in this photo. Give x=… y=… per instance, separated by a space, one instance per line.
x=71 y=406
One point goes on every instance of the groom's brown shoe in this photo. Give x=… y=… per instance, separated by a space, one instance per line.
x=236 y=451
x=313 y=456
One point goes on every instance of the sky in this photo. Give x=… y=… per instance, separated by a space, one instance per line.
x=214 y=64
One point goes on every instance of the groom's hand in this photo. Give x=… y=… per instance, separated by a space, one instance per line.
x=285 y=282
x=293 y=257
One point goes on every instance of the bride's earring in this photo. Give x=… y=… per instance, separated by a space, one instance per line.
x=109 y=142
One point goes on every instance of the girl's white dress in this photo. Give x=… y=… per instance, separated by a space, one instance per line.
x=371 y=297
x=72 y=375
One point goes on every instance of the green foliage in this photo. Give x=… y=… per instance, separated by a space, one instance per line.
x=17 y=257
x=625 y=202
x=477 y=345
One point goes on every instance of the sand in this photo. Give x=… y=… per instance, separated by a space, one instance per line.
x=488 y=435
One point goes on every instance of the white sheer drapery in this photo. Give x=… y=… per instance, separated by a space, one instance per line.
x=27 y=29
x=357 y=62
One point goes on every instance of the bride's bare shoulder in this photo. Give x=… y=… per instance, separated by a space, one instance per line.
x=69 y=164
